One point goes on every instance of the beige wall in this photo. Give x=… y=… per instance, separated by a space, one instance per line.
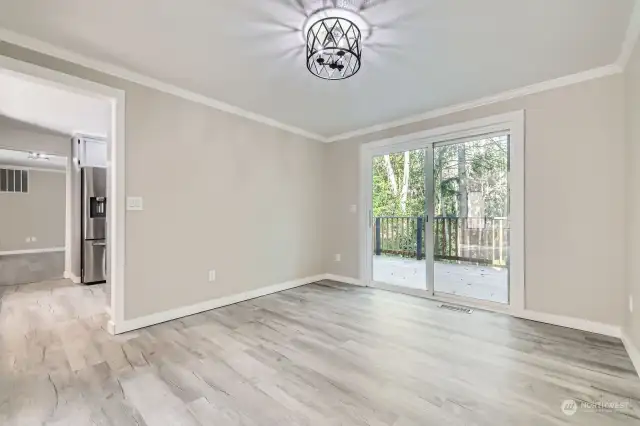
x=263 y=206
x=24 y=137
x=39 y=213
x=220 y=191
x=574 y=198
x=632 y=90
x=26 y=209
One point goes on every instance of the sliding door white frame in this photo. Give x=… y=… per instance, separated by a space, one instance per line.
x=510 y=123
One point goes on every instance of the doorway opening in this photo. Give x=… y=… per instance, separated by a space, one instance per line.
x=56 y=117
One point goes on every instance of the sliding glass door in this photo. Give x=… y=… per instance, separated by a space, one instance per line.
x=439 y=217
x=398 y=219
x=471 y=218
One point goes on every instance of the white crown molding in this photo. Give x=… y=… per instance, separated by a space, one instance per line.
x=48 y=49
x=500 y=97
x=631 y=37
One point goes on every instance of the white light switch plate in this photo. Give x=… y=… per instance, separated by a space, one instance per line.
x=134 y=203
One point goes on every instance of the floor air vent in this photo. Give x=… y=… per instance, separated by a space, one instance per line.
x=456 y=308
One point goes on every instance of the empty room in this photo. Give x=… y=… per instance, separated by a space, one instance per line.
x=319 y=212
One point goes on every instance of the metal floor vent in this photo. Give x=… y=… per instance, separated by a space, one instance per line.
x=456 y=308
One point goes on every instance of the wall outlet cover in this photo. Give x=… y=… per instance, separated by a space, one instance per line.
x=631 y=303
x=212 y=275
x=353 y=208
x=338 y=257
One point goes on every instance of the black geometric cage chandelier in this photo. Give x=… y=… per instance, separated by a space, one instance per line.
x=334 y=45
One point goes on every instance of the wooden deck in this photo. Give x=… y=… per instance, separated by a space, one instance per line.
x=478 y=282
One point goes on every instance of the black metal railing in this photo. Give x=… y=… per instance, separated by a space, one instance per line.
x=480 y=240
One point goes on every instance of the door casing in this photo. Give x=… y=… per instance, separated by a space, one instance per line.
x=510 y=123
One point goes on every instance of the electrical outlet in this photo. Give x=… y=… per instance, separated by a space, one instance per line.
x=338 y=257
x=630 y=303
x=34 y=239
x=28 y=239
x=212 y=275
x=353 y=208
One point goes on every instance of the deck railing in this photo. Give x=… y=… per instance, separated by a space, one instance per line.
x=479 y=240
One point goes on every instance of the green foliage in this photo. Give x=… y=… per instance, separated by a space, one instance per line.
x=385 y=203
x=476 y=171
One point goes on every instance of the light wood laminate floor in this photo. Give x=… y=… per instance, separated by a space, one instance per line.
x=322 y=354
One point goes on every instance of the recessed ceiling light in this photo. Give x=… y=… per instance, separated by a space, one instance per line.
x=38 y=156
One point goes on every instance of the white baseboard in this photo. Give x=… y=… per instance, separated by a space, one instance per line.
x=111 y=327
x=560 y=320
x=160 y=317
x=32 y=251
x=632 y=350
x=346 y=280
x=185 y=311
x=571 y=322
x=68 y=275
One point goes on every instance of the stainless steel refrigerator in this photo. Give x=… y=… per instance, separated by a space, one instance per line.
x=94 y=225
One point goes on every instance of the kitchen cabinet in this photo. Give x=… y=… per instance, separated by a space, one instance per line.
x=92 y=152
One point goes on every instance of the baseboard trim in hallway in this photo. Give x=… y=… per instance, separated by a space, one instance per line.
x=186 y=311
x=70 y=276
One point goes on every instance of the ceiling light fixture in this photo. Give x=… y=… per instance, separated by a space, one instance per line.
x=334 y=43
x=38 y=156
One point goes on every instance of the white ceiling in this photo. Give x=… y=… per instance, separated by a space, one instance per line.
x=21 y=159
x=422 y=55
x=51 y=107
